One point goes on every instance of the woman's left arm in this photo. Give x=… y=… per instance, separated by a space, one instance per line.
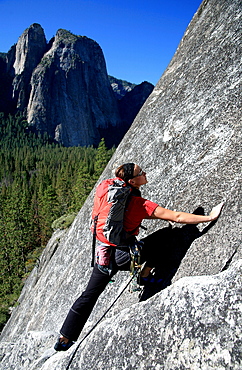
x=186 y=218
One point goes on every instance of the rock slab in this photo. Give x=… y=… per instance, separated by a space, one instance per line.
x=187 y=137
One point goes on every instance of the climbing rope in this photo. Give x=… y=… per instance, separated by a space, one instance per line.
x=134 y=273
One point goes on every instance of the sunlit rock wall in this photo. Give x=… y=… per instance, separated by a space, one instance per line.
x=187 y=137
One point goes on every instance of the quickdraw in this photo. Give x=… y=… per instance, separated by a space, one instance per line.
x=135 y=249
x=135 y=264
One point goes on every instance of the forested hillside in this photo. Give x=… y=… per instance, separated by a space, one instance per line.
x=40 y=181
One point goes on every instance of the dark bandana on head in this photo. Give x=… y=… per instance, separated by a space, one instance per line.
x=128 y=171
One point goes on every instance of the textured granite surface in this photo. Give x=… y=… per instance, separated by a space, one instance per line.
x=187 y=137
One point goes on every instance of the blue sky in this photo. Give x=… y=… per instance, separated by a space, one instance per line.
x=138 y=37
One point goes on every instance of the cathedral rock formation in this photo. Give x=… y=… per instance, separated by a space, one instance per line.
x=71 y=97
x=64 y=87
x=17 y=67
x=30 y=48
x=187 y=137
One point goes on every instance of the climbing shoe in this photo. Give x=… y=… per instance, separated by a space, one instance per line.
x=62 y=346
x=150 y=279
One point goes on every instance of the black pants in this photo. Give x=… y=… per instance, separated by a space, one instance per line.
x=83 y=306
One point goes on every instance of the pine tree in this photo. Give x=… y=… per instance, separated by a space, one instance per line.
x=83 y=186
x=49 y=210
x=39 y=182
x=101 y=158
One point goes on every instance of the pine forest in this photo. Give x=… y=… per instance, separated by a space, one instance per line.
x=42 y=187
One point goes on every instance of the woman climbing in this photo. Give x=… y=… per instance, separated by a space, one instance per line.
x=111 y=258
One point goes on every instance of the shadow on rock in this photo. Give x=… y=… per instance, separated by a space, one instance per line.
x=171 y=243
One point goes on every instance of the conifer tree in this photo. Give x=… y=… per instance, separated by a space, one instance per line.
x=101 y=158
x=83 y=186
x=39 y=182
x=49 y=210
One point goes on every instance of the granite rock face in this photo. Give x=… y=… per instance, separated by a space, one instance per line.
x=20 y=62
x=30 y=48
x=120 y=87
x=187 y=137
x=17 y=67
x=194 y=324
x=67 y=92
x=64 y=87
x=132 y=102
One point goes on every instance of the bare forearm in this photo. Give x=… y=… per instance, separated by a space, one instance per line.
x=189 y=218
x=186 y=218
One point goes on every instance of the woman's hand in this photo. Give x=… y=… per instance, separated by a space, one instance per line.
x=216 y=211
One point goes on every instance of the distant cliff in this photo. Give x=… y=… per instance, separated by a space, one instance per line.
x=120 y=87
x=17 y=66
x=71 y=93
x=132 y=102
x=30 y=48
x=64 y=87
x=187 y=137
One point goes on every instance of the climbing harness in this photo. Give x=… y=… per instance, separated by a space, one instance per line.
x=134 y=274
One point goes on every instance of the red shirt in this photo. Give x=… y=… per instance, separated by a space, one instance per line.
x=138 y=209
